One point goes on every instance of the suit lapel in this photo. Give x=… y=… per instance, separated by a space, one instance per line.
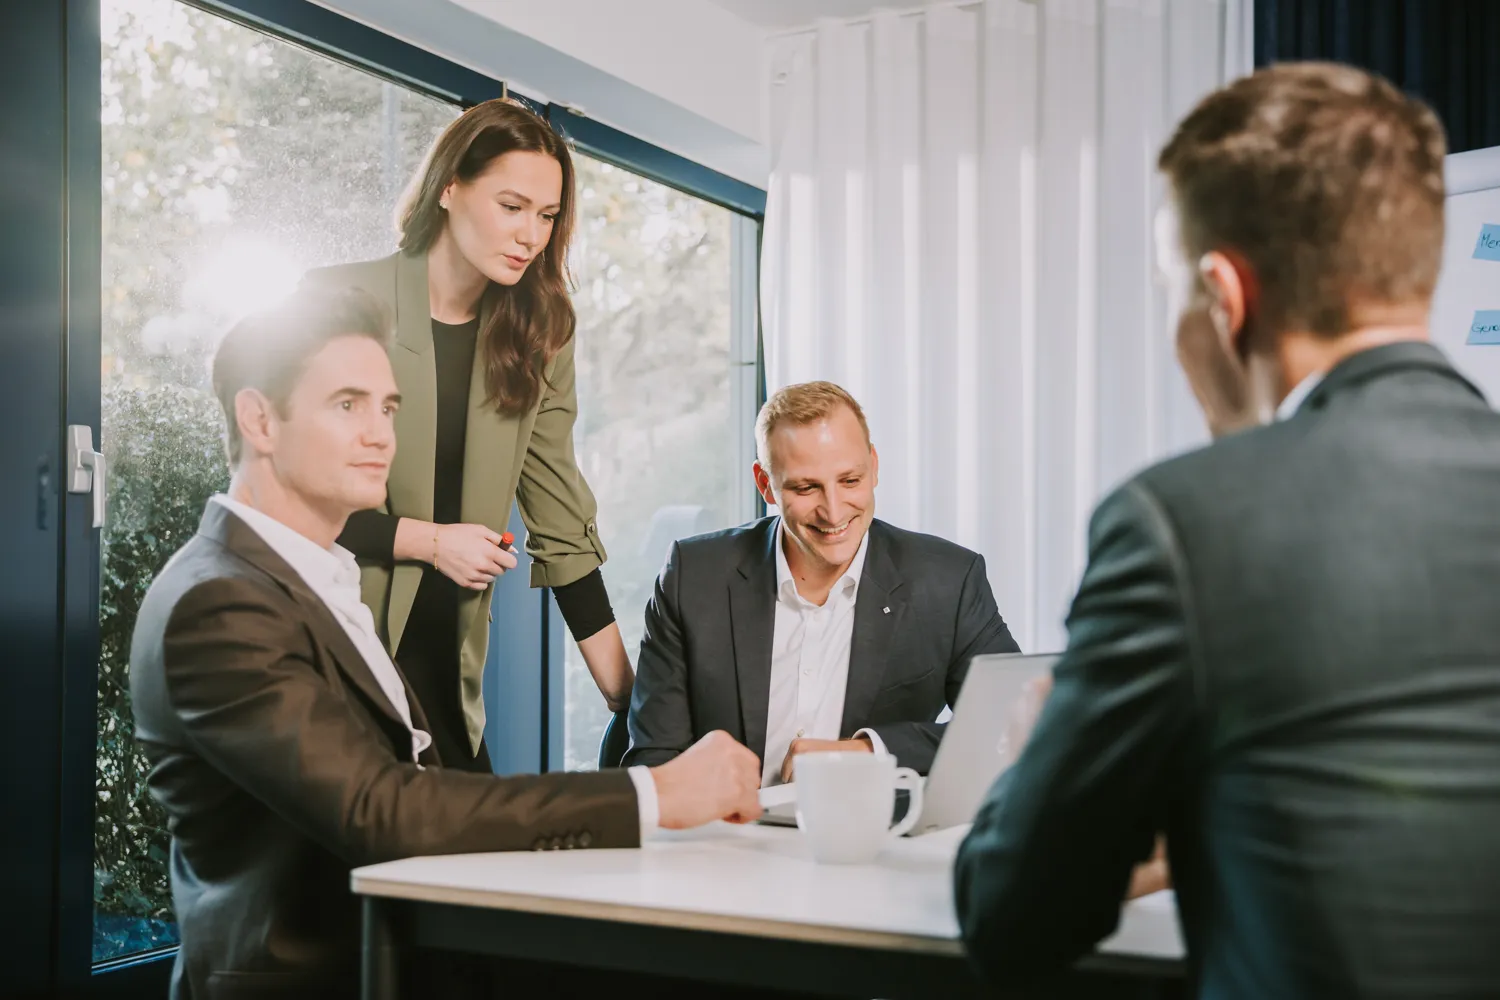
x=752 y=614
x=490 y=444
x=879 y=609
x=352 y=663
x=223 y=527
x=410 y=483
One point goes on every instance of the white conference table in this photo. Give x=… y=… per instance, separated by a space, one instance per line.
x=725 y=903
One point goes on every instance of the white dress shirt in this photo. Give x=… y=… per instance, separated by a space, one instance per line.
x=333 y=575
x=809 y=662
x=1294 y=399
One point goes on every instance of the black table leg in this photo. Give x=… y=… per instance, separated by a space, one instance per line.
x=378 y=967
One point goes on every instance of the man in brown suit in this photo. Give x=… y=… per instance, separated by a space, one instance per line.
x=285 y=746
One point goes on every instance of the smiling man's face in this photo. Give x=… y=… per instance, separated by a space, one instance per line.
x=822 y=478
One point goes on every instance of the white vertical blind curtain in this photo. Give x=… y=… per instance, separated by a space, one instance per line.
x=958 y=231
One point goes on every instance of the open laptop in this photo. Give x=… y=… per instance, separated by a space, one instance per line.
x=974 y=751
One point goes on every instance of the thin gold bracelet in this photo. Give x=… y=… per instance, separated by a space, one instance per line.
x=435 y=529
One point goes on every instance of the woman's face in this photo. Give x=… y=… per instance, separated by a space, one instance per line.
x=503 y=218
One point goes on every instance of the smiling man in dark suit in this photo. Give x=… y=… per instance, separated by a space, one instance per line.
x=285 y=746
x=819 y=629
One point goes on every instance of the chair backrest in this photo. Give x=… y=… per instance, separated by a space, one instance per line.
x=615 y=742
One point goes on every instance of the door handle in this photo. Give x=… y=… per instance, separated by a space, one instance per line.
x=86 y=468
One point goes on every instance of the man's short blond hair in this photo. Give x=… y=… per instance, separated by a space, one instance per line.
x=1327 y=179
x=799 y=405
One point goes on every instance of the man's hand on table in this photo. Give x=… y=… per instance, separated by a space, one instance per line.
x=1151 y=876
x=716 y=778
x=800 y=746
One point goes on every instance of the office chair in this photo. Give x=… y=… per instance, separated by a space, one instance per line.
x=615 y=742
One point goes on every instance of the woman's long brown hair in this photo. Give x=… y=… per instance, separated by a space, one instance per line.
x=530 y=321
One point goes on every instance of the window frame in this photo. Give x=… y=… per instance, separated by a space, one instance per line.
x=70 y=784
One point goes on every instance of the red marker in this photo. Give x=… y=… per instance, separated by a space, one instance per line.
x=506 y=540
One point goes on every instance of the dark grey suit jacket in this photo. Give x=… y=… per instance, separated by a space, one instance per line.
x=705 y=660
x=282 y=765
x=1285 y=654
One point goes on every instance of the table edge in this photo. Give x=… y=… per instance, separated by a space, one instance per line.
x=364 y=885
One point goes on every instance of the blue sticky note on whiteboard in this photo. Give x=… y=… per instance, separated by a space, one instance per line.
x=1488 y=247
x=1486 y=327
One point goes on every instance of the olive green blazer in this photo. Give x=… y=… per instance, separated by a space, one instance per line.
x=527 y=457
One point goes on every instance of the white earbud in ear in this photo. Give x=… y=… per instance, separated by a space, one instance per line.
x=1217 y=314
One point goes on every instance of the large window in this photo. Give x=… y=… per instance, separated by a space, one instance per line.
x=229 y=146
x=232 y=161
x=661 y=432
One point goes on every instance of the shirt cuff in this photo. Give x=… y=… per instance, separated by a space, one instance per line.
x=645 y=797
x=876 y=743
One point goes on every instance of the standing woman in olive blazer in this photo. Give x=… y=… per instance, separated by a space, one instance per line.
x=484 y=361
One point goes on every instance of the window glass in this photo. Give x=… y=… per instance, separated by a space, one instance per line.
x=653 y=270
x=232 y=161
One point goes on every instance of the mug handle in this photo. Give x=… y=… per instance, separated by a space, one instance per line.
x=911 y=781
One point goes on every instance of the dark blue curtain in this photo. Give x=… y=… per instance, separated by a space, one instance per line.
x=1445 y=51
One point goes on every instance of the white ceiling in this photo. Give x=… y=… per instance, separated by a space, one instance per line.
x=779 y=15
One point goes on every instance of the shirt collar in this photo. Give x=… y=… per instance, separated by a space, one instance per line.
x=324 y=570
x=786 y=587
x=1294 y=399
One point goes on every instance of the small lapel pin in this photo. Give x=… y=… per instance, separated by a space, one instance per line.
x=886 y=610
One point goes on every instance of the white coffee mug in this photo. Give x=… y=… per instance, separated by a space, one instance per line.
x=845 y=801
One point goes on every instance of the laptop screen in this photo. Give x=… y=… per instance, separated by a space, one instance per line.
x=984 y=737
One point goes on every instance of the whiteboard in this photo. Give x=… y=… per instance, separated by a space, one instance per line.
x=1469 y=286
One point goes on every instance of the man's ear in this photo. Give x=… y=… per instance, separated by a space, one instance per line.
x=256 y=418
x=763 y=484
x=1231 y=288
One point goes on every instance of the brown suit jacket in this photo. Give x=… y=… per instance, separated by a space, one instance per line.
x=279 y=762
